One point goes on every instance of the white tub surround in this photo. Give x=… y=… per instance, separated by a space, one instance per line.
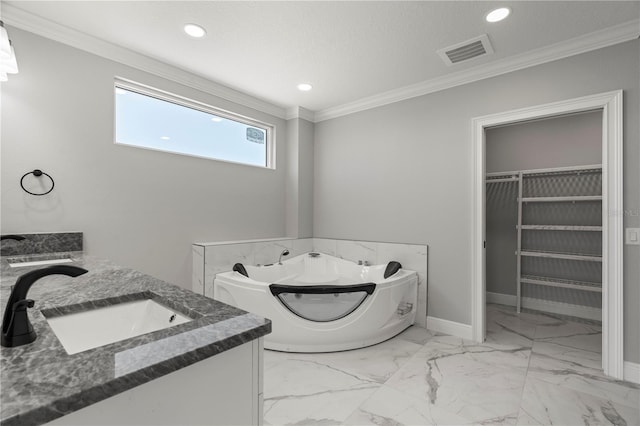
x=320 y=303
x=213 y=258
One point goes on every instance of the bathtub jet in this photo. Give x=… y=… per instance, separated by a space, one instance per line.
x=320 y=303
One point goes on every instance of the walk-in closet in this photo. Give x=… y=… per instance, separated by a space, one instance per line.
x=544 y=215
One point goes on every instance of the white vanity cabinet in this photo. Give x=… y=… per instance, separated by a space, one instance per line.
x=225 y=389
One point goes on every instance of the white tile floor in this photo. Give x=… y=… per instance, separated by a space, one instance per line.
x=532 y=370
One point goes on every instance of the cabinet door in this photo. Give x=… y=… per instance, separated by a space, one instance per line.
x=216 y=391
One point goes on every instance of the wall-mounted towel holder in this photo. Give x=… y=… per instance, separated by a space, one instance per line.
x=37 y=173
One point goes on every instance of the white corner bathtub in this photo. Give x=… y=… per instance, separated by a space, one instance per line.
x=320 y=303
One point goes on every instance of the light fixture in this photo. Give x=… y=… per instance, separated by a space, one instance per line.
x=5 y=46
x=194 y=30
x=304 y=87
x=497 y=15
x=8 y=63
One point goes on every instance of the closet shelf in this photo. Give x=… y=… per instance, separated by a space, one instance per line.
x=572 y=170
x=511 y=179
x=555 y=282
x=562 y=228
x=562 y=199
x=555 y=255
x=543 y=194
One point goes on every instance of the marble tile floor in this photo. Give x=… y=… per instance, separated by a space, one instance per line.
x=533 y=369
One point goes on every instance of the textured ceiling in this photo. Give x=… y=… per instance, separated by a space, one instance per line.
x=346 y=50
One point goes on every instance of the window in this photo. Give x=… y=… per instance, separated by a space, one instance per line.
x=153 y=119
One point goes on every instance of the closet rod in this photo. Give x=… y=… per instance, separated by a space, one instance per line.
x=569 y=170
x=562 y=228
x=513 y=179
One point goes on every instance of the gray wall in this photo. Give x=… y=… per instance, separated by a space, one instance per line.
x=140 y=208
x=299 y=187
x=502 y=238
x=403 y=172
x=571 y=140
x=292 y=187
x=305 y=173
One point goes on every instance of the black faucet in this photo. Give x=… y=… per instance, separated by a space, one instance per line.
x=11 y=237
x=16 y=327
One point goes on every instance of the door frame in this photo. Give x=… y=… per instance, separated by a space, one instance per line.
x=612 y=214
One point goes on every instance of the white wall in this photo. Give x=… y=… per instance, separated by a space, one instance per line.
x=140 y=208
x=403 y=172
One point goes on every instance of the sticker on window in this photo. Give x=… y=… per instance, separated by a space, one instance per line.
x=157 y=120
x=255 y=135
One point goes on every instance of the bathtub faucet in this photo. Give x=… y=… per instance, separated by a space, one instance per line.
x=285 y=252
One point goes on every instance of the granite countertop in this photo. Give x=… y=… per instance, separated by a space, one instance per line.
x=41 y=382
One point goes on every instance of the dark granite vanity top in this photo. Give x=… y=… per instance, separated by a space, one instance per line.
x=41 y=382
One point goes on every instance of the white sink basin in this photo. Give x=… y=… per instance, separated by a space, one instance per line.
x=98 y=327
x=19 y=263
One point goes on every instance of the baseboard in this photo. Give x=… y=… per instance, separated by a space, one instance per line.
x=501 y=299
x=632 y=372
x=547 y=306
x=563 y=309
x=457 y=329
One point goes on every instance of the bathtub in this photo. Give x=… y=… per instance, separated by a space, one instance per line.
x=320 y=303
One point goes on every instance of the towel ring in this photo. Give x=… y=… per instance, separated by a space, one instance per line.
x=37 y=173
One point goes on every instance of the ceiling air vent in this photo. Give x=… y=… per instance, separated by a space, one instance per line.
x=476 y=47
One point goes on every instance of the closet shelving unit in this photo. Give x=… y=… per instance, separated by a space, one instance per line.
x=544 y=188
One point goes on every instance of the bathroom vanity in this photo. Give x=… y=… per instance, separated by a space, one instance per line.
x=205 y=370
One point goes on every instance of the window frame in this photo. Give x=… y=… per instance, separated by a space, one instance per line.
x=163 y=95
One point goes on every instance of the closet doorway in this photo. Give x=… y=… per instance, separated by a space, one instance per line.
x=579 y=193
x=544 y=215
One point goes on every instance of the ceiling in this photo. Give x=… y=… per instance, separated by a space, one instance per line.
x=348 y=50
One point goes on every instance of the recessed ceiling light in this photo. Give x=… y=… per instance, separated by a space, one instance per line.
x=165 y=138
x=498 y=14
x=305 y=87
x=194 y=30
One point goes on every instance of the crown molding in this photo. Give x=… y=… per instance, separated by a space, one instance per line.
x=23 y=20
x=588 y=42
x=300 y=112
x=19 y=18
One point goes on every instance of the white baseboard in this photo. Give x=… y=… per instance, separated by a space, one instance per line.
x=547 y=306
x=632 y=372
x=457 y=329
